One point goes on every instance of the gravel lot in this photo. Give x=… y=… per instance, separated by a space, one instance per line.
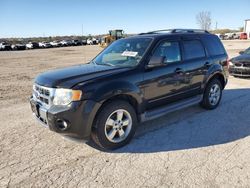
x=188 y=148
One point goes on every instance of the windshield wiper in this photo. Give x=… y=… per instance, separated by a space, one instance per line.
x=107 y=64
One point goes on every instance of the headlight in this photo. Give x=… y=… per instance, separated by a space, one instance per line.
x=230 y=63
x=66 y=96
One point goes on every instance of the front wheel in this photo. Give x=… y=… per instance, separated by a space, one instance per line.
x=212 y=95
x=115 y=125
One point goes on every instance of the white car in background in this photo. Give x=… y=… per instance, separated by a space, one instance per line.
x=95 y=41
x=5 y=46
x=29 y=45
x=1 y=45
x=65 y=43
x=89 y=42
x=229 y=36
x=55 y=43
x=42 y=45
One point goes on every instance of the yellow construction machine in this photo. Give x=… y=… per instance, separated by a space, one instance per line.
x=113 y=35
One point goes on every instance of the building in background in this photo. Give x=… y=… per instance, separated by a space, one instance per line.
x=247 y=28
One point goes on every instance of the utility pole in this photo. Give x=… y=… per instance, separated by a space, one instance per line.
x=216 y=24
x=82 y=31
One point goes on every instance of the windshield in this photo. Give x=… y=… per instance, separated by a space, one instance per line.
x=247 y=51
x=124 y=52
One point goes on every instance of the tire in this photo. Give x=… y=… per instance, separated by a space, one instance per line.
x=212 y=95
x=112 y=131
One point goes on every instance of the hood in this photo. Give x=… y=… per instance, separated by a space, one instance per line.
x=68 y=77
x=241 y=58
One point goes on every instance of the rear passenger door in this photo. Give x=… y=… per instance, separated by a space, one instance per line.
x=196 y=64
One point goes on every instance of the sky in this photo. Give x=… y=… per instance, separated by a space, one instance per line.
x=34 y=18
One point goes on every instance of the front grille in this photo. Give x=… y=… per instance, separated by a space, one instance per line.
x=238 y=64
x=43 y=95
x=42 y=90
x=242 y=64
x=240 y=71
x=246 y=65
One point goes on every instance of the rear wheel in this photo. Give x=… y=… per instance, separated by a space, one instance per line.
x=212 y=95
x=115 y=125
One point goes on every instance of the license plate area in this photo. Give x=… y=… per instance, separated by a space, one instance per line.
x=40 y=112
x=35 y=108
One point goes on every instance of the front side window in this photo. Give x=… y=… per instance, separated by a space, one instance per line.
x=169 y=50
x=193 y=49
x=124 y=52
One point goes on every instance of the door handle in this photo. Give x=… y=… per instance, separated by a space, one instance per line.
x=179 y=71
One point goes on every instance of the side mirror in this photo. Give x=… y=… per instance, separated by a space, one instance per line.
x=241 y=52
x=156 y=61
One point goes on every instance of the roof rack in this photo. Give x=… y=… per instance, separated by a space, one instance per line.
x=176 y=31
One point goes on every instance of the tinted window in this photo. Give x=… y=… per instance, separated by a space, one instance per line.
x=213 y=45
x=169 y=50
x=193 y=49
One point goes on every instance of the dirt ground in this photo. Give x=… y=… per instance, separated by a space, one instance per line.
x=189 y=148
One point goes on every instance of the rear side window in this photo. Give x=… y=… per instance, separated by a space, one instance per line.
x=213 y=45
x=193 y=49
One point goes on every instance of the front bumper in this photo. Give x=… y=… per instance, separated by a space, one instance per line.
x=240 y=71
x=79 y=117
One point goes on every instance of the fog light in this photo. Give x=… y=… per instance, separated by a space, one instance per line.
x=62 y=125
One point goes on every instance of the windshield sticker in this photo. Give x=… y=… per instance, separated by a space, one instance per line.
x=129 y=53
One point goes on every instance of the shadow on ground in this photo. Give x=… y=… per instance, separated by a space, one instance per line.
x=194 y=127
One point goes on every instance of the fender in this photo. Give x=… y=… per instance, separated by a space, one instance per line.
x=115 y=88
x=213 y=70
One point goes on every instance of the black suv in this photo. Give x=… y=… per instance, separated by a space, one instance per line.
x=133 y=80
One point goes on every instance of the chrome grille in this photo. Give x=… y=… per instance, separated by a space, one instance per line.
x=43 y=95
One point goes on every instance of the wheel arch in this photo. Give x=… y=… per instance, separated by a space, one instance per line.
x=120 y=97
x=216 y=75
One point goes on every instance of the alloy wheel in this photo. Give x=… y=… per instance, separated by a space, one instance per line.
x=118 y=126
x=214 y=94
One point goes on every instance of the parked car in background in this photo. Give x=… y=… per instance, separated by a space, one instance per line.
x=63 y=43
x=5 y=46
x=237 y=35
x=221 y=36
x=66 y=43
x=243 y=36
x=240 y=66
x=35 y=45
x=95 y=41
x=41 y=44
x=55 y=44
x=18 y=47
x=47 y=45
x=76 y=43
x=32 y=45
x=229 y=36
x=89 y=42
x=84 y=42
x=29 y=45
